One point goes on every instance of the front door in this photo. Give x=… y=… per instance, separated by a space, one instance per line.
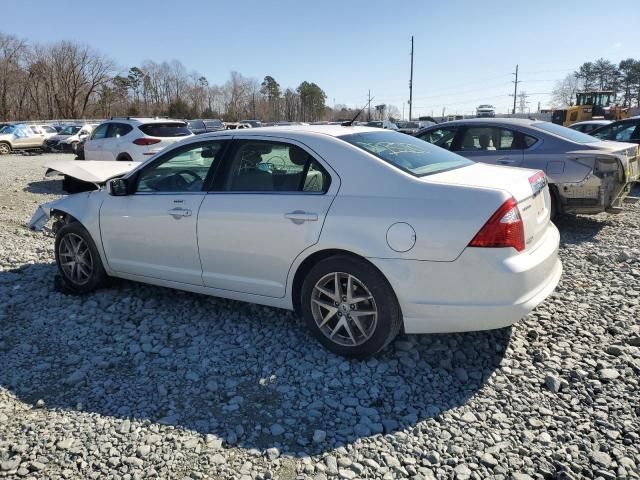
x=493 y=145
x=152 y=232
x=93 y=146
x=267 y=207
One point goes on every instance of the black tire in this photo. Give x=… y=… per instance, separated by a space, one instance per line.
x=124 y=157
x=389 y=317
x=74 y=147
x=80 y=151
x=554 y=207
x=5 y=148
x=97 y=276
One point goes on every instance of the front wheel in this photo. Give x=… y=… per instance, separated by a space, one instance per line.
x=78 y=259
x=350 y=307
x=5 y=148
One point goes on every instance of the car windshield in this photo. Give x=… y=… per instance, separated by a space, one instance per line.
x=564 y=132
x=168 y=129
x=407 y=153
x=70 y=130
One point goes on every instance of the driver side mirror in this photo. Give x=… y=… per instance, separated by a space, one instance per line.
x=119 y=187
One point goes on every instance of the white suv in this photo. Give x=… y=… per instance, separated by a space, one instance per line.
x=133 y=139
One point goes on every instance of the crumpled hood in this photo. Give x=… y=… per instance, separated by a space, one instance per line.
x=98 y=172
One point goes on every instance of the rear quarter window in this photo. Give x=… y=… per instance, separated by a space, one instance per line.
x=169 y=129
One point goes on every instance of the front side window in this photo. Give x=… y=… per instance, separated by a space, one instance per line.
x=118 y=130
x=441 y=137
x=100 y=132
x=407 y=153
x=183 y=170
x=264 y=166
x=620 y=132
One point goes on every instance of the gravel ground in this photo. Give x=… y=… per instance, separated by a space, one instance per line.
x=137 y=381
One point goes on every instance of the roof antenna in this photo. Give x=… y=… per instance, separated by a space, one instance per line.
x=349 y=123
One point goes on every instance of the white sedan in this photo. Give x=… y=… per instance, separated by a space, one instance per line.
x=364 y=232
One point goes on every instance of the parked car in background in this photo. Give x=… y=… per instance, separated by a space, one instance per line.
x=47 y=130
x=410 y=128
x=589 y=125
x=21 y=136
x=236 y=125
x=486 y=111
x=69 y=138
x=622 y=131
x=53 y=144
x=586 y=175
x=253 y=123
x=370 y=247
x=213 y=125
x=133 y=139
x=196 y=126
x=389 y=125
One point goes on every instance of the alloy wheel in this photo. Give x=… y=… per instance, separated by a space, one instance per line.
x=344 y=309
x=4 y=149
x=75 y=259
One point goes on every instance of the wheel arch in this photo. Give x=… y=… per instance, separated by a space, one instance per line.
x=312 y=259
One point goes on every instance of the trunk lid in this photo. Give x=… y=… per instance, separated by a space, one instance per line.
x=528 y=188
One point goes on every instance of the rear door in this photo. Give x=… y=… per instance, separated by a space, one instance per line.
x=267 y=207
x=490 y=144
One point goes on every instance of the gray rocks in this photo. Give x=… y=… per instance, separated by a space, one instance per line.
x=609 y=374
x=552 y=383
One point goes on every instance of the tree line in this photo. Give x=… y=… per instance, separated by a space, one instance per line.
x=622 y=78
x=68 y=80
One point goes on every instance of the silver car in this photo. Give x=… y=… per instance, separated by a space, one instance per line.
x=586 y=175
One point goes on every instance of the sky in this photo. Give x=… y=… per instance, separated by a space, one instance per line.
x=464 y=50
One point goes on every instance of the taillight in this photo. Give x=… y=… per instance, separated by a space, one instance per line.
x=146 y=141
x=503 y=229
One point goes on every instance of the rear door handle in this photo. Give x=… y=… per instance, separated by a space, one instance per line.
x=179 y=212
x=505 y=160
x=300 y=216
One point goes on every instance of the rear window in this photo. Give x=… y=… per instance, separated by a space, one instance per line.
x=407 y=153
x=564 y=132
x=168 y=129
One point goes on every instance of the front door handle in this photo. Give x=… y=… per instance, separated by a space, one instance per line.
x=299 y=216
x=179 y=212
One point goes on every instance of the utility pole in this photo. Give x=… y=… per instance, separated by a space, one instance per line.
x=369 y=115
x=515 y=90
x=411 y=81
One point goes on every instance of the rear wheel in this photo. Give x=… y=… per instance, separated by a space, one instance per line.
x=78 y=260
x=124 y=157
x=350 y=307
x=554 y=207
x=5 y=148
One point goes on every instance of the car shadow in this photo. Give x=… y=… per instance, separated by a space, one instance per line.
x=46 y=187
x=576 y=229
x=250 y=375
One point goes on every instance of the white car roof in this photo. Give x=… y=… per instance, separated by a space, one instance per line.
x=295 y=131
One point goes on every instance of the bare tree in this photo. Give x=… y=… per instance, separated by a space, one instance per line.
x=564 y=92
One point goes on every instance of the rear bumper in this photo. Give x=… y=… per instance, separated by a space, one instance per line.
x=483 y=289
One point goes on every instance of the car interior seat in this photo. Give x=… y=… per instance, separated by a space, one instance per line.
x=249 y=177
